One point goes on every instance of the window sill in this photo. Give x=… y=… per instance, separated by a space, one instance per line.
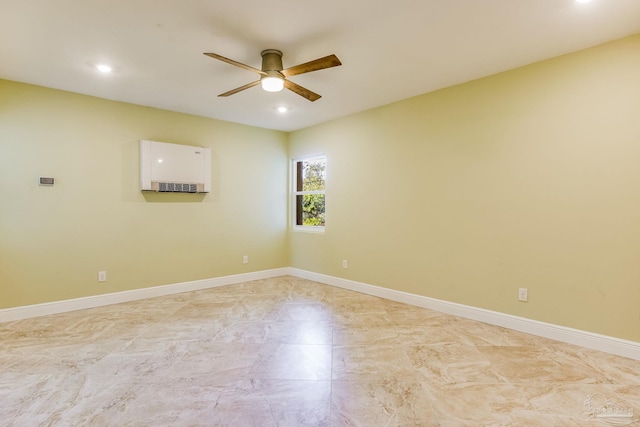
x=308 y=229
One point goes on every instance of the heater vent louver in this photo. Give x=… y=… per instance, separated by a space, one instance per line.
x=177 y=187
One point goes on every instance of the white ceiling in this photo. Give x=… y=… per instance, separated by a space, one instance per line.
x=390 y=50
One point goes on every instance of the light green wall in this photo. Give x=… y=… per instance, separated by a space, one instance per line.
x=53 y=241
x=529 y=178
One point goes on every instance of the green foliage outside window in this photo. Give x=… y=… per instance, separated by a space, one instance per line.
x=310 y=208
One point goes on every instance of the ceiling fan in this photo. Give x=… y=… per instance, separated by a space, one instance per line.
x=273 y=78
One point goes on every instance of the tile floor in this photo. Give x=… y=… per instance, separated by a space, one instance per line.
x=291 y=352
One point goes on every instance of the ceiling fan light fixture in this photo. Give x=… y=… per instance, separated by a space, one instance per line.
x=272 y=84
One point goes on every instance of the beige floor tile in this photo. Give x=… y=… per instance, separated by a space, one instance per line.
x=291 y=352
x=390 y=402
x=294 y=362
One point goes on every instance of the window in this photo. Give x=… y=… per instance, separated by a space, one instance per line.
x=309 y=176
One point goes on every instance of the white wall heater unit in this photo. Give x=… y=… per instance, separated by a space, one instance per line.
x=174 y=168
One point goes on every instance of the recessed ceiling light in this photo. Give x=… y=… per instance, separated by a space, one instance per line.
x=282 y=109
x=104 y=68
x=583 y=1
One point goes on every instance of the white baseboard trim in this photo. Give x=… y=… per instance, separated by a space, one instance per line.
x=612 y=345
x=56 y=307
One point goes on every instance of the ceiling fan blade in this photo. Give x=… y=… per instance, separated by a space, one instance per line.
x=315 y=65
x=304 y=92
x=241 y=88
x=236 y=63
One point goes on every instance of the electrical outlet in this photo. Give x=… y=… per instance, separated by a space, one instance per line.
x=245 y=259
x=102 y=276
x=523 y=294
x=345 y=263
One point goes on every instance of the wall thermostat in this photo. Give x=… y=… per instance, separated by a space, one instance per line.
x=46 y=180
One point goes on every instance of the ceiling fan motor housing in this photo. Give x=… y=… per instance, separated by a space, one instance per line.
x=271 y=60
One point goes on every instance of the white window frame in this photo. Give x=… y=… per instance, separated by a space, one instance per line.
x=295 y=193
